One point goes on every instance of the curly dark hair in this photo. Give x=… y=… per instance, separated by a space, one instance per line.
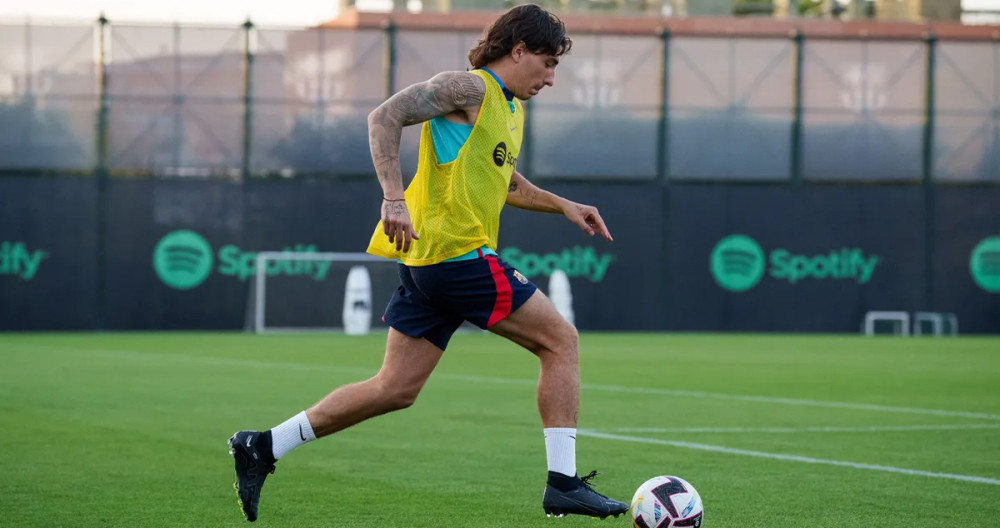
x=541 y=32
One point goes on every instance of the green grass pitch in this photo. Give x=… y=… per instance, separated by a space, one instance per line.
x=130 y=430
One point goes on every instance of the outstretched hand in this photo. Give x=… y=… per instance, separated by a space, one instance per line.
x=397 y=225
x=588 y=219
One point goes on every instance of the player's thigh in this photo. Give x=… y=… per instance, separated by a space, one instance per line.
x=538 y=326
x=408 y=361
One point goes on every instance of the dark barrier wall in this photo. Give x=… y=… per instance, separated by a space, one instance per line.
x=793 y=258
x=48 y=254
x=615 y=285
x=179 y=254
x=141 y=213
x=967 y=219
x=232 y=223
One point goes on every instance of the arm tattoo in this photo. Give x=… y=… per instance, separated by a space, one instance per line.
x=464 y=90
x=530 y=195
x=444 y=93
x=528 y=192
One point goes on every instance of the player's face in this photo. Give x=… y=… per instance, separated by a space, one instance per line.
x=538 y=70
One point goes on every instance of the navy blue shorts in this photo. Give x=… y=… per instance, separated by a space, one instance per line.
x=433 y=301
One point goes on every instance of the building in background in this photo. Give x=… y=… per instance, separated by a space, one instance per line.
x=912 y=10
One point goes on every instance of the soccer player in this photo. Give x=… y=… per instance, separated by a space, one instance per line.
x=443 y=231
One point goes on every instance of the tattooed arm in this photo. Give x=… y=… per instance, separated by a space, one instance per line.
x=457 y=93
x=525 y=195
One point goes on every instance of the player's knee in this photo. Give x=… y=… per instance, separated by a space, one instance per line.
x=404 y=399
x=572 y=337
x=568 y=340
x=562 y=345
x=396 y=396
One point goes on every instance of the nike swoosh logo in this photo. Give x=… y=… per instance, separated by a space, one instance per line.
x=302 y=436
x=248 y=440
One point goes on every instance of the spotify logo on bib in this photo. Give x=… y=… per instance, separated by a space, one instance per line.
x=500 y=154
x=737 y=263
x=182 y=259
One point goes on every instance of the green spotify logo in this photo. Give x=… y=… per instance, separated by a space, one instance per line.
x=737 y=263
x=984 y=264
x=182 y=259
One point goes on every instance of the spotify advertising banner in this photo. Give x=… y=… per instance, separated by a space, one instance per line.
x=180 y=254
x=163 y=238
x=966 y=264
x=615 y=285
x=763 y=258
x=48 y=254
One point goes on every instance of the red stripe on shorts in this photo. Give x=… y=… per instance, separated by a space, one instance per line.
x=501 y=308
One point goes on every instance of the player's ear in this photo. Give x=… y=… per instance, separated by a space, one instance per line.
x=519 y=51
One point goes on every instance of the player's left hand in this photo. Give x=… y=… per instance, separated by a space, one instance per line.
x=588 y=219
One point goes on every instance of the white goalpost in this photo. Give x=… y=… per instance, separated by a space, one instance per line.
x=302 y=292
x=312 y=285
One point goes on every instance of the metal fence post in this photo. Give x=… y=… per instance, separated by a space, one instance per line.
x=29 y=86
x=663 y=174
x=796 y=150
x=389 y=62
x=663 y=128
x=178 y=99
x=248 y=56
x=322 y=103
x=101 y=168
x=928 y=169
x=103 y=100
x=929 y=109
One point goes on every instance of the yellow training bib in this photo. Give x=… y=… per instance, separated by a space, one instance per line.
x=455 y=207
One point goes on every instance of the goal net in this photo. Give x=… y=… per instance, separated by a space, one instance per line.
x=319 y=292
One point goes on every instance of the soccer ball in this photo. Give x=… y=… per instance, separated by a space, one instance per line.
x=665 y=502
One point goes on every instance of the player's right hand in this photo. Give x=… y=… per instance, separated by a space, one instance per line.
x=397 y=225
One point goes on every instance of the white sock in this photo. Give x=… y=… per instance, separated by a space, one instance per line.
x=290 y=434
x=560 y=449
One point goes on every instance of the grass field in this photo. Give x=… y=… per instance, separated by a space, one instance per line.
x=775 y=431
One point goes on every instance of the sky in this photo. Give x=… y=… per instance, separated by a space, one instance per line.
x=262 y=12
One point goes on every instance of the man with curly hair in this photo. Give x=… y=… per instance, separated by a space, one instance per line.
x=443 y=231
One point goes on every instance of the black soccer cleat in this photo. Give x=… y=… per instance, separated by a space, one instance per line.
x=253 y=465
x=581 y=500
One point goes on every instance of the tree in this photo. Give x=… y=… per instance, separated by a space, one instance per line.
x=36 y=138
